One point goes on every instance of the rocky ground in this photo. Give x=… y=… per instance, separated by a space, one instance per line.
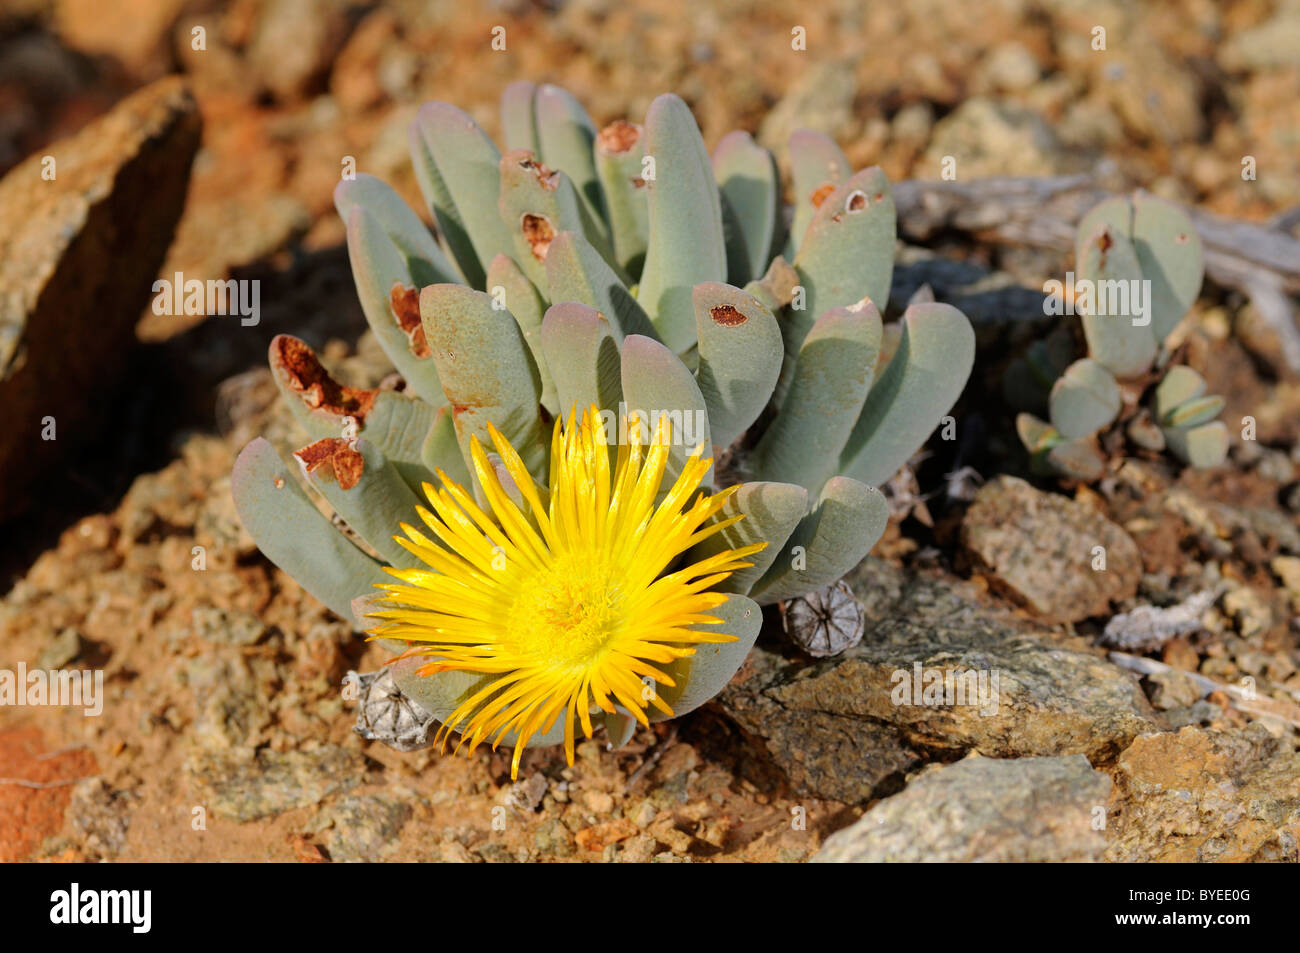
x=224 y=734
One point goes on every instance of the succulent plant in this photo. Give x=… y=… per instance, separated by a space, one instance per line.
x=1140 y=267
x=593 y=287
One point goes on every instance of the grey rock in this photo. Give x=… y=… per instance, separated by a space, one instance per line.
x=362 y=828
x=248 y=786
x=983 y=809
x=834 y=727
x=1040 y=549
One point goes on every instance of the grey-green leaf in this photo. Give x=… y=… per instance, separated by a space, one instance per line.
x=1085 y=399
x=772 y=511
x=583 y=354
x=456 y=164
x=751 y=189
x=701 y=676
x=920 y=385
x=295 y=535
x=487 y=371
x=832 y=377
x=656 y=384
x=740 y=357
x=827 y=543
x=686 y=242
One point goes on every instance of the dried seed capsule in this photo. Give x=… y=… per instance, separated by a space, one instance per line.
x=825 y=622
x=385 y=714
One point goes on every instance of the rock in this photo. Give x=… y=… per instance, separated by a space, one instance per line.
x=247 y=787
x=63 y=649
x=78 y=256
x=101 y=817
x=294 y=42
x=1274 y=43
x=1040 y=549
x=228 y=626
x=362 y=828
x=821 y=99
x=136 y=34
x=843 y=729
x=1010 y=67
x=1203 y=795
x=988 y=137
x=1027 y=810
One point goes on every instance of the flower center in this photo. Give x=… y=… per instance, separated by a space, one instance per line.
x=568 y=614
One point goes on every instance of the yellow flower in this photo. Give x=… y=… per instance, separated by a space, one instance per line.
x=565 y=597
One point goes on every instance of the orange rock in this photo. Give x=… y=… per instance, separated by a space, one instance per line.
x=600 y=836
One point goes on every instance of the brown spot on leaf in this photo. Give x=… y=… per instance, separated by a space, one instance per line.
x=619 y=136
x=1181 y=239
x=820 y=193
x=335 y=458
x=727 y=316
x=638 y=183
x=539 y=233
x=547 y=178
x=405 y=303
x=856 y=201
x=298 y=366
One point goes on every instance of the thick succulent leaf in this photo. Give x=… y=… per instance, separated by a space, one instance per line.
x=456 y=164
x=1036 y=434
x=620 y=150
x=522 y=299
x=1179 y=385
x=777 y=287
x=442 y=693
x=295 y=535
x=816 y=163
x=565 y=139
x=751 y=191
x=772 y=511
x=536 y=204
x=1115 y=341
x=832 y=377
x=619 y=729
x=575 y=271
x=1084 y=400
x=827 y=543
x=655 y=384
x=1193 y=413
x=518 y=117
x=364 y=490
x=1203 y=446
x=426 y=262
x=847 y=253
x=1077 y=459
x=740 y=357
x=701 y=676
x=441 y=450
x=487 y=371
x=394 y=422
x=922 y=382
x=686 y=242
x=583 y=354
x=387 y=289
x=1169 y=251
